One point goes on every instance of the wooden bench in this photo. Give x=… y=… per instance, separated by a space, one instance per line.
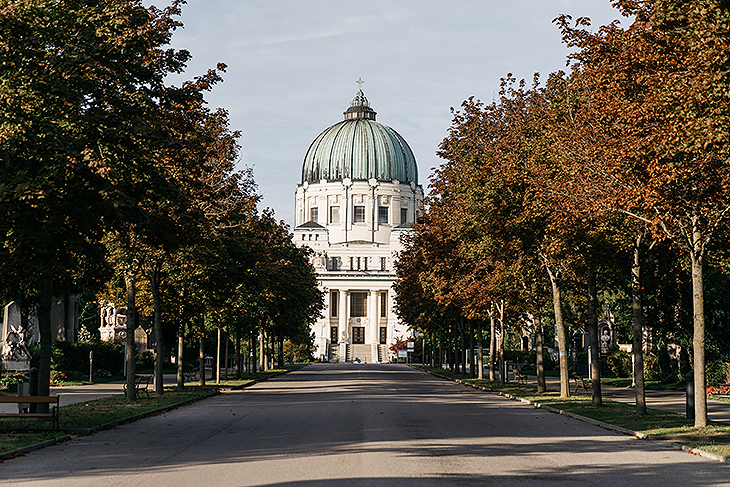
x=519 y=376
x=52 y=414
x=582 y=384
x=141 y=384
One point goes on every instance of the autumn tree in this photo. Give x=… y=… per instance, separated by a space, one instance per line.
x=658 y=101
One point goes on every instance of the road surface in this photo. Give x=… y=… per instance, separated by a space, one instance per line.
x=360 y=425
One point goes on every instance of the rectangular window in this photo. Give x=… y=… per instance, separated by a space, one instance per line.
x=403 y=215
x=358 y=214
x=358 y=304
x=314 y=214
x=382 y=263
x=365 y=263
x=383 y=305
x=351 y=264
x=333 y=303
x=383 y=215
x=334 y=215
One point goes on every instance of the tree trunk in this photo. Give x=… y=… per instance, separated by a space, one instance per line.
x=154 y=277
x=492 y=344
x=502 y=365
x=423 y=349
x=218 y=359
x=539 y=362
x=238 y=351
x=281 y=353
x=262 y=351
x=46 y=340
x=201 y=353
x=593 y=339
x=462 y=344
x=698 y=338
x=253 y=357
x=455 y=348
x=480 y=359
x=180 y=348
x=472 y=363
x=131 y=326
x=637 y=347
x=560 y=332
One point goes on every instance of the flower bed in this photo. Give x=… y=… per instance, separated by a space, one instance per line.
x=718 y=391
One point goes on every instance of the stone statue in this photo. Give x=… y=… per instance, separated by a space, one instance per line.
x=13 y=352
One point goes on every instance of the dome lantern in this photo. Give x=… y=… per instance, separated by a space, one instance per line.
x=359 y=108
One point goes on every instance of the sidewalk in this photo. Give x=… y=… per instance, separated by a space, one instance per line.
x=74 y=394
x=672 y=401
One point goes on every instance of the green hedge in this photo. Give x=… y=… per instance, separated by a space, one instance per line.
x=530 y=357
x=69 y=357
x=619 y=363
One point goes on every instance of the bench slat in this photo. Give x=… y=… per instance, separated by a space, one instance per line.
x=26 y=415
x=28 y=399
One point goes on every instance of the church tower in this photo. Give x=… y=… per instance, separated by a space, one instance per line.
x=359 y=192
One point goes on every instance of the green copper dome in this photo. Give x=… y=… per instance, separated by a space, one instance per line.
x=359 y=148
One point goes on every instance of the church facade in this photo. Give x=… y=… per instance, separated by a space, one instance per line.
x=358 y=193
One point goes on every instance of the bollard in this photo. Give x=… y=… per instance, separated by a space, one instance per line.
x=690 y=378
x=34 y=388
x=23 y=390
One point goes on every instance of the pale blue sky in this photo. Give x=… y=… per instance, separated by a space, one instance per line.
x=292 y=67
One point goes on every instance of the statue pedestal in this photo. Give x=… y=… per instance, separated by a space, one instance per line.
x=22 y=365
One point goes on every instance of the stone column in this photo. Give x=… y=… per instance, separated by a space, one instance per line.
x=346 y=328
x=373 y=314
x=341 y=313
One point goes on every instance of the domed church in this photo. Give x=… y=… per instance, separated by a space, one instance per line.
x=359 y=192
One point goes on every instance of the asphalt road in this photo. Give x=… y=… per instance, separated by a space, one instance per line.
x=331 y=424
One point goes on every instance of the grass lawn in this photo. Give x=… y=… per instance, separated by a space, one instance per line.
x=86 y=415
x=714 y=438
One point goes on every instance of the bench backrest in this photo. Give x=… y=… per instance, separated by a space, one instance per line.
x=28 y=399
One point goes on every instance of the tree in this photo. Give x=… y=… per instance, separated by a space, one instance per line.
x=659 y=94
x=80 y=83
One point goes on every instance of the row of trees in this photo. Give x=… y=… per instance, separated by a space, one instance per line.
x=112 y=178
x=609 y=178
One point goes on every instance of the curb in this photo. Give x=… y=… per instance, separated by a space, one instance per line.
x=600 y=424
x=130 y=419
x=137 y=417
x=27 y=449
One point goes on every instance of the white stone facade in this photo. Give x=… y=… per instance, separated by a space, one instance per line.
x=354 y=227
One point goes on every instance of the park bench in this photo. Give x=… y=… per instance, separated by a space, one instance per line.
x=582 y=384
x=519 y=376
x=141 y=384
x=190 y=375
x=52 y=414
